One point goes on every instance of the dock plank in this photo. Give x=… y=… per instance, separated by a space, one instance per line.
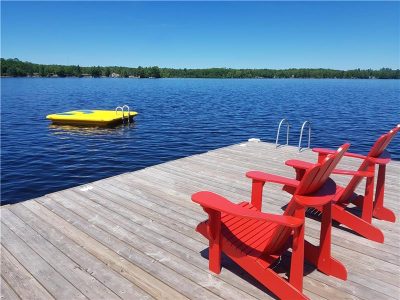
x=132 y=235
x=149 y=265
x=151 y=245
x=82 y=280
x=6 y=292
x=50 y=279
x=86 y=261
x=24 y=285
x=130 y=271
x=168 y=240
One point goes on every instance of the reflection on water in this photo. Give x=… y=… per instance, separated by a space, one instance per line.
x=58 y=129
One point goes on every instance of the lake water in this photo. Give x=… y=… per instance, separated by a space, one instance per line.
x=178 y=117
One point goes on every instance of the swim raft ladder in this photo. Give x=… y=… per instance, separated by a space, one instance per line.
x=286 y=122
x=123 y=109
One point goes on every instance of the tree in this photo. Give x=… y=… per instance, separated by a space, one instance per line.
x=107 y=72
x=61 y=72
x=76 y=71
x=95 y=71
x=140 y=72
x=124 y=73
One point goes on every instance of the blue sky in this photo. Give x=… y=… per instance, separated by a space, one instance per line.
x=340 y=35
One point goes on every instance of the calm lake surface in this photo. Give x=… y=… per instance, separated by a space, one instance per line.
x=177 y=118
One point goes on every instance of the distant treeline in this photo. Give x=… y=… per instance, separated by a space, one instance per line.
x=16 y=68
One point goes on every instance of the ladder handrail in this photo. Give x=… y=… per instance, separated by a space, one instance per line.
x=287 y=132
x=129 y=112
x=122 y=110
x=301 y=135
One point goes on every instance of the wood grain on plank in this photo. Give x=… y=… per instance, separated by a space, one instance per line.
x=20 y=279
x=6 y=292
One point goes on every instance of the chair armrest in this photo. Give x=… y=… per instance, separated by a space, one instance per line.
x=299 y=164
x=383 y=159
x=328 y=151
x=260 y=178
x=266 y=177
x=221 y=204
x=300 y=167
x=357 y=173
x=323 y=150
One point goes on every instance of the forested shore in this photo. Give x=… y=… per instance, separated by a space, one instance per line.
x=16 y=68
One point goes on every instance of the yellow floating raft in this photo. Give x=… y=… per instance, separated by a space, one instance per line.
x=92 y=117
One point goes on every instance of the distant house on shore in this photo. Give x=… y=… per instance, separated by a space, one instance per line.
x=115 y=75
x=133 y=76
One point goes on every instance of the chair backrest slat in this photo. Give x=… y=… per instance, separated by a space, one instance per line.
x=376 y=150
x=315 y=177
x=383 y=141
x=312 y=181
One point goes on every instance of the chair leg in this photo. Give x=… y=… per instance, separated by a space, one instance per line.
x=381 y=212
x=329 y=265
x=357 y=224
x=215 y=257
x=214 y=251
x=385 y=214
x=367 y=206
x=280 y=286
x=256 y=193
x=300 y=173
x=320 y=255
x=267 y=277
x=297 y=260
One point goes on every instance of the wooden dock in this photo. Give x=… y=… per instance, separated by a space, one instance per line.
x=132 y=236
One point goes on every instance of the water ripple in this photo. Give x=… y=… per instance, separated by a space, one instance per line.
x=178 y=117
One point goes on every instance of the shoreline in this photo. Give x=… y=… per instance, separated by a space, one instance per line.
x=260 y=78
x=16 y=68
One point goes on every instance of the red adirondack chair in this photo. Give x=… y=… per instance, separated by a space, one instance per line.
x=346 y=195
x=255 y=240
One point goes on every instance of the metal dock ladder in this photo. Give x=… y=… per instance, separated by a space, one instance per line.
x=285 y=121
x=287 y=132
x=301 y=135
x=122 y=109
